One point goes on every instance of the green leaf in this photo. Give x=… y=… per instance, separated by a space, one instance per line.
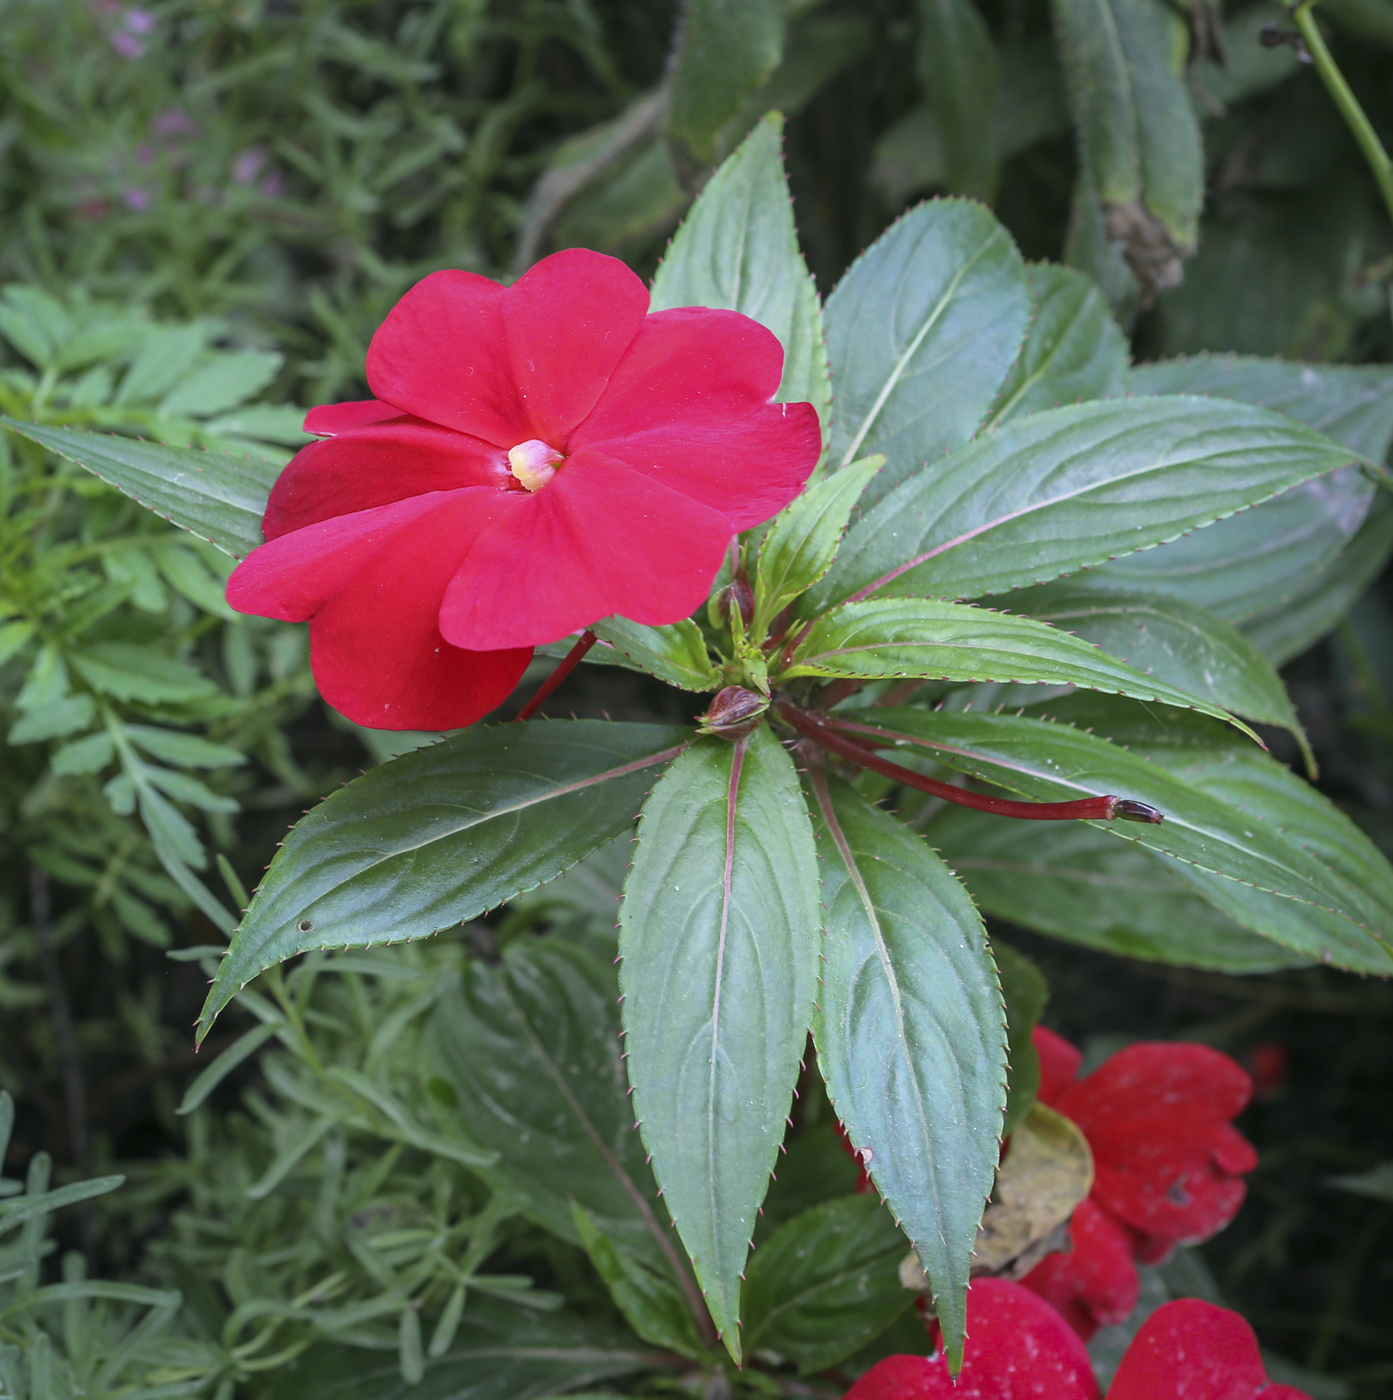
x=958 y=69
x=218 y=497
x=137 y=673
x=676 y=654
x=1138 y=132
x=1074 y=350
x=186 y=749
x=442 y=834
x=826 y=1283
x=1075 y=882
x=738 y=249
x=1327 y=593
x=66 y=715
x=229 y=378
x=718 y=939
x=236 y=1054
x=1278 y=569
x=1070 y=488
x=910 y=1033
x=500 y=1352
x=802 y=541
x=1187 y=646
x=1025 y=992
x=87 y=755
x=886 y=637
x=921 y=333
x=728 y=48
x=1261 y=867
x=1352 y=404
x=529 y=1051
x=650 y=1304
x=163 y=359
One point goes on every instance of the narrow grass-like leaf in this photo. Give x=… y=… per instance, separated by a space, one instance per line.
x=442 y=834
x=718 y=936
x=910 y=1032
x=214 y=495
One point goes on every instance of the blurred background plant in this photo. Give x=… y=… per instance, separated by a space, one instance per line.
x=206 y=208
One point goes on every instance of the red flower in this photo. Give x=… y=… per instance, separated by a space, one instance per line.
x=1189 y=1350
x=1019 y=1348
x=1095 y=1283
x=1167 y=1158
x=537 y=458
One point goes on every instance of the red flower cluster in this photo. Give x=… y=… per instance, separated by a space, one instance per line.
x=1168 y=1166
x=537 y=458
x=1019 y=1348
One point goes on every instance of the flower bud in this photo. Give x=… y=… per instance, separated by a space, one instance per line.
x=736 y=596
x=734 y=712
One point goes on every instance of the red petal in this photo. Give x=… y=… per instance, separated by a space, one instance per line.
x=570 y=321
x=598 y=539
x=376 y=649
x=293 y=576
x=1156 y=1116
x=1191 y=1350
x=1018 y=1348
x=1059 y=1063
x=1095 y=1284
x=508 y=366
x=442 y=355
x=376 y=465
x=748 y=468
x=330 y=419
x=690 y=401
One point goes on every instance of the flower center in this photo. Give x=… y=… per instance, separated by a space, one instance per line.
x=534 y=463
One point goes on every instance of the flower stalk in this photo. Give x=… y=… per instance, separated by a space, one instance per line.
x=1106 y=809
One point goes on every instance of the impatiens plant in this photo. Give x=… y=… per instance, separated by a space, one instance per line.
x=960 y=623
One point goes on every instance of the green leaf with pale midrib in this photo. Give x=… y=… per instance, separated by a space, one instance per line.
x=214 y=495
x=910 y=1033
x=1073 y=351
x=1296 y=900
x=1067 y=489
x=442 y=834
x=957 y=642
x=718 y=939
x=921 y=332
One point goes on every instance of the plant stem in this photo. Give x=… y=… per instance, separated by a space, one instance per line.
x=1346 y=101
x=569 y=662
x=1104 y=809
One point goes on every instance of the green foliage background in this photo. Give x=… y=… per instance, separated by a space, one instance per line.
x=206 y=207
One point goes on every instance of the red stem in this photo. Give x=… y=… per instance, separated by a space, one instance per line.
x=569 y=662
x=1085 y=809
